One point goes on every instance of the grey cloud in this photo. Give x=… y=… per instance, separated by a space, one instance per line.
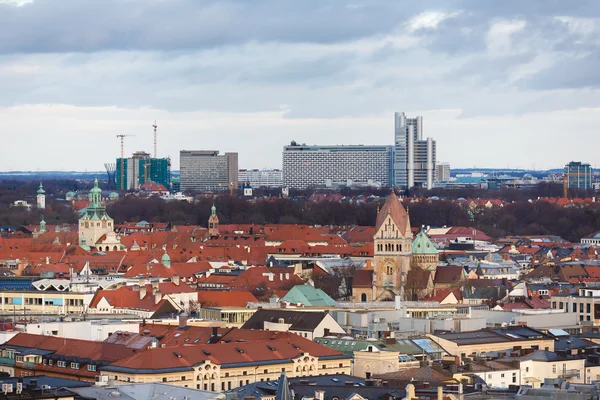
x=92 y=25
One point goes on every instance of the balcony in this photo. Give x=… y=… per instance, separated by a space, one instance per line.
x=569 y=373
x=28 y=365
x=7 y=361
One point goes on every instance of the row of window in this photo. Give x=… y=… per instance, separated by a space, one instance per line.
x=72 y=365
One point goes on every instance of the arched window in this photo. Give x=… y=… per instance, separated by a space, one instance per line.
x=363 y=297
x=389 y=270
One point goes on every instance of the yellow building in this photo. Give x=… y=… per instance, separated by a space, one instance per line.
x=224 y=366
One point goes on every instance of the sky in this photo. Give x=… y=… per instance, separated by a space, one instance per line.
x=500 y=84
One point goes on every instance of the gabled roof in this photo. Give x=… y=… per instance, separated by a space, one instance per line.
x=393 y=208
x=299 y=320
x=308 y=296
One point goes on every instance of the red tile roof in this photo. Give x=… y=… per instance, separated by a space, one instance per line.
x=225 y=299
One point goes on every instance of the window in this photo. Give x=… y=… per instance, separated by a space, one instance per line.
x=561 y=305
x=501 y=375
x=50 y=362
x=44 y=361
x=245 y=373
x=266 y=371
x=580 y=307
x=574 y=307
x=74 y=365
x=553 y=368
x=389 y=270
x=183 y=378
x=554 y=304
x=19 y=358
x=588 y=308
x=91 y=367
x=62 y=364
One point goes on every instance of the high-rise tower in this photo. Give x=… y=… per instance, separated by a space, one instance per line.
x=414 y=159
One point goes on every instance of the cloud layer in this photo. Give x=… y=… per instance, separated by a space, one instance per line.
x=250 y=76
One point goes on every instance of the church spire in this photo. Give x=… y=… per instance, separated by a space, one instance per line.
x=213 y=222
x=42 y=225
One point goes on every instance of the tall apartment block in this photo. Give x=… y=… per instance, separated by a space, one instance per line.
x=317 y=166
x=206 y=170
x=141 y=168
x=578 y=175
x=268 y=178
x=414 y=159
x=442 y=171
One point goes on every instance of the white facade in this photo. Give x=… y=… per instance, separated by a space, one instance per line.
x=534 y=372
x=442 y=171
x=327 y=323
x=308 y=166
x=270 y=178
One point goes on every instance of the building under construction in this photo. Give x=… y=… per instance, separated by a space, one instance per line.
x=141 y=168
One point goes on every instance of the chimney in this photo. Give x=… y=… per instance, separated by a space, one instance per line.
x=176 y=279
x=142 y=291
x=157 y=296
x=440 y=393
x=142 y=281
x=215 y=332
x=155 y=287
x=183 y=318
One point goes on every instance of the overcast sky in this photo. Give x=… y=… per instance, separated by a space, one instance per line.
x=499 y=83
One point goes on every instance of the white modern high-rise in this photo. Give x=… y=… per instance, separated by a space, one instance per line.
x=442 y=171
x=414 y=158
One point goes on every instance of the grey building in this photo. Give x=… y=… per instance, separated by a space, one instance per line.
x=442 y=171
x=206 y=170
x=415 y=157
x=330 y=166
x=270 y=178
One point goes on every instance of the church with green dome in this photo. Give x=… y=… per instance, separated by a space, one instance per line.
x=424 y=253
x=96 y=227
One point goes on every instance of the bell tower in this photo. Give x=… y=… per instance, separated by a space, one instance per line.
x=213 y=222
x=393 y=249
x=41 y=197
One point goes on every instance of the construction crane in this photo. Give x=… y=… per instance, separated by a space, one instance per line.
x=122 y=137
x=155 y=126
x=230 y=187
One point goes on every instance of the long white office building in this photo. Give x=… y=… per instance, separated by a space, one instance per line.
x=334 y=166
x=415 y=157
x=265 y=178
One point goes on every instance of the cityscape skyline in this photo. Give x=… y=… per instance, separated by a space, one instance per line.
x=511 y=78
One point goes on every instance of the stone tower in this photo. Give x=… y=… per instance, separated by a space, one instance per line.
x=213 y=222
x=96 y=228
x=41 y=197
x=393 y=249
x=424 y=253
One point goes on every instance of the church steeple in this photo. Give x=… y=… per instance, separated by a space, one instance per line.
x=41 y=197
x=213 y=222
x=42 y=225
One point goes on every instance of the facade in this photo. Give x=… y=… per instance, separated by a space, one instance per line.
x=309 y=166
x=578 y=175
x=225 y=366
x=414 y=157
x=442 y=171
x=141 y=168
x=41 y=197
x=257 y=178
x=96 y=228
x=206 y=170
x=585 y=304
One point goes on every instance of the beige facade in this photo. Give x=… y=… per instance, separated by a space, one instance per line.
x=392 y=260
x=209 y=376
x=374 y=362
x=534 y=372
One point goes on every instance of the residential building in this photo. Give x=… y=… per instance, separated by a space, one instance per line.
x=591 y=239
x=206 y=170
x=578 y=175
x=139 y=391
x=331 y=166
x=141 y=168
x=414 y=157
x=261 y=178
x=27 y=354
x=442 y=171
x=308 y=324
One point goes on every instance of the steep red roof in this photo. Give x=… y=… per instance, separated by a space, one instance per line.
x=393 y=207
x=363 y=278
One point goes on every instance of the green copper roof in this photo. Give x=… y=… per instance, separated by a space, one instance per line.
x=422 y=245
x=41 y=189
x=113 y=195
x=166 y=260
x=309 y=296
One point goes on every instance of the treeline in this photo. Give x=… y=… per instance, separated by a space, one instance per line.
x=519 y=218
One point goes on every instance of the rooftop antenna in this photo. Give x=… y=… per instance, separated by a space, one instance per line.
x=155 y=126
